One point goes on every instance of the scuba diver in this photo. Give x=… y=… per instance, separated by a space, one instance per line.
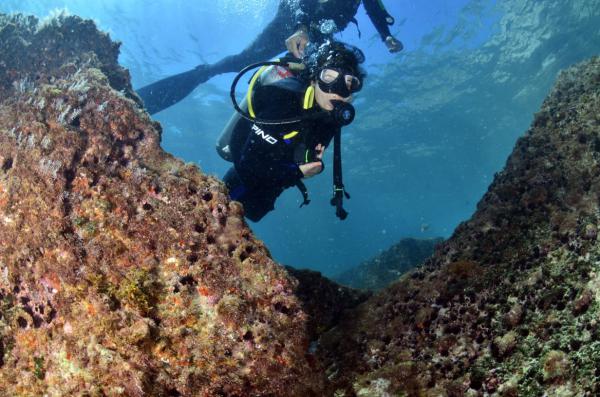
x=317 y=20
x=287 y=121
x=296 y=23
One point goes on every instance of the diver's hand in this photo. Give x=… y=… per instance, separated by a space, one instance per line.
x=315 y=167
x=297 y=42
x=393 y=44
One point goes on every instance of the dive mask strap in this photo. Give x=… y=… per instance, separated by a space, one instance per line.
x=339 y=192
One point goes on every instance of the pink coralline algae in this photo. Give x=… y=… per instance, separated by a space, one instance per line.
x=508 y=306
x=123 y=270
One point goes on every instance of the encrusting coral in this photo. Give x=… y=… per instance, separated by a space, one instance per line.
x=123 y=270
x=509 y=305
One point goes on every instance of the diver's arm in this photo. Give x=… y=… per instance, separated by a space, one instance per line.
x=378 y=15
x=164 y=93
x=382 y=20
x=315 y=165
x=304 y=13
x=297 y=42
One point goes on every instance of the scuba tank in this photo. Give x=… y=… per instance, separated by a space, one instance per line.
x=224 y=141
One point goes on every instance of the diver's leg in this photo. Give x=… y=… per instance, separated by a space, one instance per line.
x=167 y=92
x=235 y=185
x=270 y=42
x=257 y=203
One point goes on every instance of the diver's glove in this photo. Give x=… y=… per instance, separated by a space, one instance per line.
x=393 y=44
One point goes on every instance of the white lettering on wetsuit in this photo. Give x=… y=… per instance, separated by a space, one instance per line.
x=263 y=134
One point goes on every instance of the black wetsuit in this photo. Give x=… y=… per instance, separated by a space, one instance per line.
x=270 y=42
x=267 y=158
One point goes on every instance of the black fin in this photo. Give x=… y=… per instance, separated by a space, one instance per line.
x=167 y=92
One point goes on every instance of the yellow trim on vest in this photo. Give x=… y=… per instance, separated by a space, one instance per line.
x=251 y=88
x=309 y=97
x=291 y=135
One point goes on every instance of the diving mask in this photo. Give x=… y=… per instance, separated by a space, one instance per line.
x=337 y=81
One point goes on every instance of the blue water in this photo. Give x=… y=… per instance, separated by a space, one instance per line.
x=434 y=123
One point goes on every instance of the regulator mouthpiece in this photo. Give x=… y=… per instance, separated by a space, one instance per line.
x=343 y=113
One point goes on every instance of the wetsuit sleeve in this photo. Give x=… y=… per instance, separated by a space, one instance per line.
x=378 y=14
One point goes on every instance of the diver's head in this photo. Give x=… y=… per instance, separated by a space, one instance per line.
x=335 y=73
x=334 y=85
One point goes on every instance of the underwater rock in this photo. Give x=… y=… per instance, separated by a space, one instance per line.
x=123 y=270
x=509 y=305
x=31 y=48
x=323 y=300
x=387 y=267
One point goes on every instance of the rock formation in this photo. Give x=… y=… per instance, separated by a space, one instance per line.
x=509 y=305
x=387 y=267
x=324 y=300
x=124 y=271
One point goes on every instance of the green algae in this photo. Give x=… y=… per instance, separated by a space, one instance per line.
x=39 y=370
x=136 y=290
x=105 y=205
x=89 y=227
x=52 y=91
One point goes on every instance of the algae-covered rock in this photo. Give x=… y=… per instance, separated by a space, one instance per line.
x=124 y=271
x=509 y=305
x=325 y=301
x=555 y=366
